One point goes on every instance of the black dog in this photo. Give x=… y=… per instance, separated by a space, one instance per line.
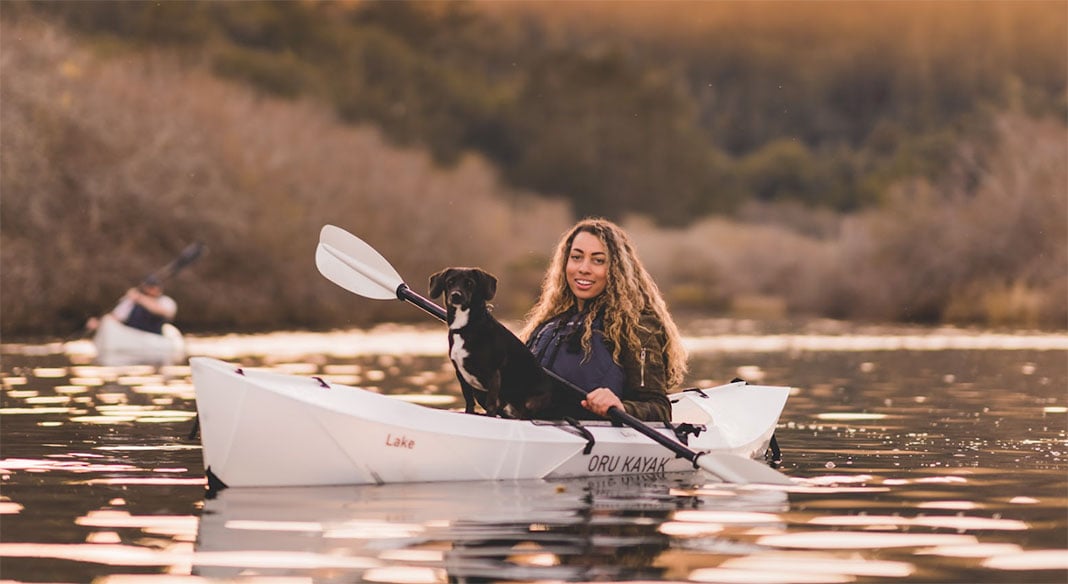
x=494 y=367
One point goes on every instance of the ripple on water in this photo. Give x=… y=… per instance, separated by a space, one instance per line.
x=896 y=502
x=848 y=540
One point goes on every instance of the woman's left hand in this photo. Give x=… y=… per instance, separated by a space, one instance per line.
x=599 y=400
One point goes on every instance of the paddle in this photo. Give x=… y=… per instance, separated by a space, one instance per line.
x=189 y=255
x=349 y=262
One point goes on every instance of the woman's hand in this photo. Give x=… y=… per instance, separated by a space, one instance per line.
x=599 y=400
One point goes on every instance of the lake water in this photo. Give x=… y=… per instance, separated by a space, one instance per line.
x=919 y=455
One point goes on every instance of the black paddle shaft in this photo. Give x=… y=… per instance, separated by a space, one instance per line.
x=405 y=293
x=188 y=256
x=617 y=415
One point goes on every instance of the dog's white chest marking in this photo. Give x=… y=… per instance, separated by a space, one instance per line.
x=459 y=319
x=458 y=353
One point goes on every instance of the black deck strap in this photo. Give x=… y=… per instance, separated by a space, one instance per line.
x=773 y=448
x=321 y=382
x=582 y=430
x=684 y=430
x=681 y=436
x=195 y=429
x=701 y=392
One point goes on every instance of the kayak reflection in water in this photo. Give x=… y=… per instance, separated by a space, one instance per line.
x=602 y=324
x=145 y=307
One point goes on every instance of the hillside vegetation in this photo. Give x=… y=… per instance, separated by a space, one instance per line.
x=671 y=110
x=118 y=153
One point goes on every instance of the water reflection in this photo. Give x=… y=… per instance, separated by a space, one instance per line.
x=916 y=463
x=508 y=530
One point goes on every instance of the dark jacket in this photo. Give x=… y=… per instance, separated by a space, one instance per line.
x=143 y=319
x=639 y=380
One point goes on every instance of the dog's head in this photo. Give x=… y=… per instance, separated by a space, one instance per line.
x=463 y=287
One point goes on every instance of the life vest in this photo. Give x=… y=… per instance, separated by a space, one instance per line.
x=557 y=345
x=143 y=319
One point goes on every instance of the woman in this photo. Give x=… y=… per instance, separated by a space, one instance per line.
x=601 y=323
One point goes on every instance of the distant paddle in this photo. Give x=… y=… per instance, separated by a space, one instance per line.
x=349 y=262
x=190 y=254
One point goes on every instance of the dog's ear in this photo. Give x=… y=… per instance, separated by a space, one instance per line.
x=437 y=283
x=488 y=282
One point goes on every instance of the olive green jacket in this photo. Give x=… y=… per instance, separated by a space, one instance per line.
x=645 y=387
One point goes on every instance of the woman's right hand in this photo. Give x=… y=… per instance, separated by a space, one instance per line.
x=600 y=400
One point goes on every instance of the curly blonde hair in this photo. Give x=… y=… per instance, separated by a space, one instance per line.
x=629 y=292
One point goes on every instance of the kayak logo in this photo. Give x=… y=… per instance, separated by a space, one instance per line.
x=399 y=442
x=628 y=464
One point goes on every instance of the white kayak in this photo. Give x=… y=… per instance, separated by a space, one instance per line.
x=266 y=429
x=117 y=344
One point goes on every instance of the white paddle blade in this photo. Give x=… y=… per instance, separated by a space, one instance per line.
x=732 y=468
x=349 y=262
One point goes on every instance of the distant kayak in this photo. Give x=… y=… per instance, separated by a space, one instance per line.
x=118 y=344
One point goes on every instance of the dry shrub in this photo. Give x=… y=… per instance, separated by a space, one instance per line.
x=990 y=245
x=716 y=263
x=999 y=305
x=112 y=166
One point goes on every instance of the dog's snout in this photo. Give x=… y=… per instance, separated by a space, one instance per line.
x=456 y=297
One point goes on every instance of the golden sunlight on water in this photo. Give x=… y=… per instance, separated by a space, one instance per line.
x=900 y=449
x=421 y=340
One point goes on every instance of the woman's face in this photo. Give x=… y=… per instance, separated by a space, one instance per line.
x=587 y=267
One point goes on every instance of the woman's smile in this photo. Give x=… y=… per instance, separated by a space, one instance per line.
x=587 y=267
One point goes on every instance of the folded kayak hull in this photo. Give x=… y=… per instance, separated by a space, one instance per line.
x=260 y=428
x=117 y=344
